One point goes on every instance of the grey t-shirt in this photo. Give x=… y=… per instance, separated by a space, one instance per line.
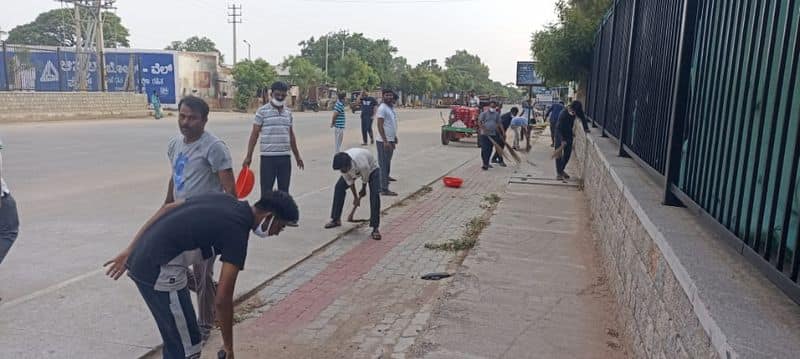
x=489 y=121
x=195 y=165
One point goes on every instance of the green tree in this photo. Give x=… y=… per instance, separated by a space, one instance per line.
x=251 y=77
x=304 y=74
x=564 y=49
x=378 y=54
x=195 y=44
x=57 y=28
x=466 y=72
x=352 y=73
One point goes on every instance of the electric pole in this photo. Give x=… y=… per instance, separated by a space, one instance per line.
x=89 y=38
x=235 y=18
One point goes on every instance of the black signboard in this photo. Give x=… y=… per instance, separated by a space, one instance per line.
x=526 y=74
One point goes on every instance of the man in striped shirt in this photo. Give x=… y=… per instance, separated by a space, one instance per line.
x=273 y=126
x=337 y=123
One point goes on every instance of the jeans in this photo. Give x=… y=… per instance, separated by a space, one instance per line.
x=385 y=163
x=340 y=192
x=275 y=168
x=486 y=149
x=561 y=163
x=338 y=137
x=501 y=140
x=366 y=128
x=175 y=319
x=553 y=132
x=9 y=225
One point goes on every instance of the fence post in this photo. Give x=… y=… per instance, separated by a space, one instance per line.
x=624 y=119
x=58 y=69
x=608 y=80
x=5 y=67
x=679 y=98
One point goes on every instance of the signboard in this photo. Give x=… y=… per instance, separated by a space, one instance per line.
x=42 y=70
x=526 y=74
x=544 y=98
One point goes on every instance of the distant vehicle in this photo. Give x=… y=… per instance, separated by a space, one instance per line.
x=310 y=105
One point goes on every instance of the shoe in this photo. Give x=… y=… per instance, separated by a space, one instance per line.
x=388 y=193
x=376 y=235
x=292 y=224
x=502 y=164
x=485 y=168
x=553 y=145
x=490 y=166
x=391 y=179
x=364 y=144
x=560 y=177
x=333 y=224
x=566 y=176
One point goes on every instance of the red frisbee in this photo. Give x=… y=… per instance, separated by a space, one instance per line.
x=454 y=182
x=245 y=182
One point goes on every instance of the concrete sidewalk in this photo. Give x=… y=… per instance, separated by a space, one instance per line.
x=533 y=287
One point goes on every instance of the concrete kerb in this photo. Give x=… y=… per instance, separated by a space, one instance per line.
x=250 y=293
x=718 y=339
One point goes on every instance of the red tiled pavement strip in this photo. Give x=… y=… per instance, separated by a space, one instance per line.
x=304 y=304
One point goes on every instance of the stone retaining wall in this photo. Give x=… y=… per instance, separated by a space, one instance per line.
x=53 y=106
x=655 y=310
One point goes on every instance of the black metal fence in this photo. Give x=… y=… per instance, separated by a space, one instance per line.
x=706 y=95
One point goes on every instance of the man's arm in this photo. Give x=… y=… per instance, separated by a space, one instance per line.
x=251 y=145
x=333 y=118
x=296 y=152
x=224 y=304
x=357 y=200
x=118 y=267
x=227 y=181
x=170 y=188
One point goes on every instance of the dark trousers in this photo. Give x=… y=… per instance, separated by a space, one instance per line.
x=385 y=163
x=275 y=168
x=561 y=163
x=501 y=140
x=340 y=192
x=486 y=149
x=175 y=319
x=553 y=132
x=366 y=128
x=9 y=225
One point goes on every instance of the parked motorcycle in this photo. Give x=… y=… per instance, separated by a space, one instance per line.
x=310 y=105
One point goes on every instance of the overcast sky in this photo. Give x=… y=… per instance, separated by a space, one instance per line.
x=496 y=30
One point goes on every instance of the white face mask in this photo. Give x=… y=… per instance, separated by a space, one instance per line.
x=262 y=233
x=491 y=110
x=278 y=103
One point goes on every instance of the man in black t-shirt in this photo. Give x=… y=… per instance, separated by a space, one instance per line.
x=505 y=121
x=368 y=106
x=157 y=259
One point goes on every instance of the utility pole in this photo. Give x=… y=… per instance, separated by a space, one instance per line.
x=101 y=59
x=89 y=38
x=235 y=18
x=326 y=54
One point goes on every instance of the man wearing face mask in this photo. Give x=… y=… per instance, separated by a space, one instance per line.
x=387 y=139
x=201 y=164
x=273 y=125
x=199 y=227
x=490 y=127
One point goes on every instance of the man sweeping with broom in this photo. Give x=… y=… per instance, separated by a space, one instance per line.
x=357 y=163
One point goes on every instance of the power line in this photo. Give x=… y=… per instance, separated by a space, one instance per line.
x=235 y=15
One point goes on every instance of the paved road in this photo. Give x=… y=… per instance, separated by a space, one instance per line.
x=85 y=187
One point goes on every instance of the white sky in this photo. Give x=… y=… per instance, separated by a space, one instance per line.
x=496 y=30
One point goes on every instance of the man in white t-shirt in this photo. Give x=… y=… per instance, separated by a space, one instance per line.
x=387 y=139
x=357 y=163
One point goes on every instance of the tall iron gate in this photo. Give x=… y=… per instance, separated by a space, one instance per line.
x=706 y=95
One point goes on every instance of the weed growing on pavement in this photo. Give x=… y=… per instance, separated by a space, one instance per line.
x=492 y=198
x=468 y=240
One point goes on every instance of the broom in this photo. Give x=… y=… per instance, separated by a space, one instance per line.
x=502 y=152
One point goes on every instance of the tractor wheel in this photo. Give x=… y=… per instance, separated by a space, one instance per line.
x=445 y=137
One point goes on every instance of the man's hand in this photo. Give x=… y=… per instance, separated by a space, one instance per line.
x=247 y=161
x=118 y=266
x=357 y=201
x=387 y=145
x=362 y=192
x=228 y=353
x=300 y=163
x=396 y=140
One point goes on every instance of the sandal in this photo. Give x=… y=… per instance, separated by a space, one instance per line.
x=376 y=235
x=333 y=224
